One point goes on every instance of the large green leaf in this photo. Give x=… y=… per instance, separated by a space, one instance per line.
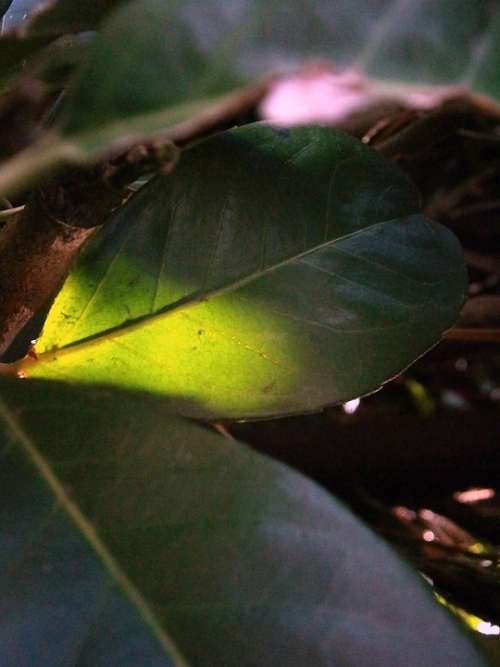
x=243 y=562
x=61 y=606
x=275 y=271
x=429 y=41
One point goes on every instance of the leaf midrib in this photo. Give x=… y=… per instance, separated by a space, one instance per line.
x=192 y=300
x=85 y=527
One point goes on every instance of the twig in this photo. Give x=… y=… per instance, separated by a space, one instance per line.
x=444 y=201
x=473 y=334
x=474 y=208
x=221 y=114
x=9 y=212
x=487 y=263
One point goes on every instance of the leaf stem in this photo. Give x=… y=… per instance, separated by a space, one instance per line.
x=9 y=212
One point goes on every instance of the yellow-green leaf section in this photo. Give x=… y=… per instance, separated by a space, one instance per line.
x=275 y=271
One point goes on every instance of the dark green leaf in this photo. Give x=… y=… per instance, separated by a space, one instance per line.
x=60 y=606
x=157 y=63
x=13 y=51
x=153 y=55
x=37 y=17
x=29 y=26
x=152 y=62
x=244 y=562
x=275 y=271
x=4 y=5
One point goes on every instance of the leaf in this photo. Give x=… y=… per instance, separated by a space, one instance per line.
x=275 y=271
x=30 y=25
x=244 y=562
x=56 y=17
x=60 y=605
x=175 y=53
x=152 y=62
x=143 y=73
x=156 y=64
x=4 y=5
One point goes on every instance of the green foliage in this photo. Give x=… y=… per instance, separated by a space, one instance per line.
x=242 y=560
x=142 y=64
x=55 y=18
x=258 y=279
x=152 y=66
x=273 y=271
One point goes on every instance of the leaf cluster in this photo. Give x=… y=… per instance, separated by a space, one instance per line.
x=183 y=268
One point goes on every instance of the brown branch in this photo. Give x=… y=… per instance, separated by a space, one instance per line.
x=221 y=115
x=38 y=246
x=473 y=334
x=36 y=252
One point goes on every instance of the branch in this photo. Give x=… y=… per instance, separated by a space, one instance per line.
x=38 y=246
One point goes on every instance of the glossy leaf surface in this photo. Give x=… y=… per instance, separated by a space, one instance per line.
x=275 y=271
x=243 y=562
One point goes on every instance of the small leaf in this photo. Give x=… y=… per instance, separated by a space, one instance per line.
x=275 y=271
x=243 y=562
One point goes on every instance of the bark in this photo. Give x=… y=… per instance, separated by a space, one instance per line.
x=38 y=247
x=36 y=252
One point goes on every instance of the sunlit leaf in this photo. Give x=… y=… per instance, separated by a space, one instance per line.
x=243 y=562
x=275 y=271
